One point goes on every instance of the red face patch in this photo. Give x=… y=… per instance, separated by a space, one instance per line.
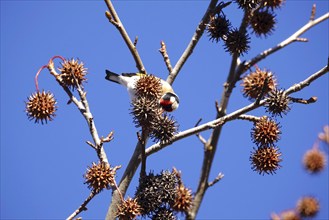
x=166 y=105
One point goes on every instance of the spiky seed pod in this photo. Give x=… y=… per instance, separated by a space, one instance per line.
x=290 y=215
x=277 y=102
x=41 y=107
x=165 y=129
x=265 y=160
x=265 y=132
x=262 y=22
x=146 y=112
x=183 y=200
x=247 y=4
x=100 y=176
x=218 y=27
x=156 y=191
x=129 y=209
x=308 y=206
x=72 y=70
x=164 y=213
x=149 y=86
x=237 y=42
x=272 y=4
x=314 y=160
x=258 y=82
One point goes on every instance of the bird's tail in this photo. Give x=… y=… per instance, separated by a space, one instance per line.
x=112 y=76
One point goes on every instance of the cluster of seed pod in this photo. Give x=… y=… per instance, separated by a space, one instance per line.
x=41 y=106
x=158 y=196
x=260 y=17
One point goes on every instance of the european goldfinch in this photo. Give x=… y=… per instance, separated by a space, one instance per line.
x=169 y=101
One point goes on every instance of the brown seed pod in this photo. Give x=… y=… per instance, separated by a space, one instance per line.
x=308 y=206
x=146 y=112
x=237 y=42
x=258 y=82
x=41 y=107
x=183 y=200
x=129 y=209
x=265 y=160
x=164 y=129
x=262 y=22
x=247 y=4
x=218 y=27
x=277 y=102
x=71 y=72
x=265 y=132
x=314 y=160
x=156 y=191
x=100 y=176
x=149 y=86
x=272 y=4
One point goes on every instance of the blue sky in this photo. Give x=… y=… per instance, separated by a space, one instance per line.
x=42 y=165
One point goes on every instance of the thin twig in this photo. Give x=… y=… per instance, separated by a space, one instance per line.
x=195 y=38
x=313 y=12
x=135 y=41
x=163 y=51
x=216 y=180
x=142 y=140
x=115 y=20
x=108 y=138
x=299 y=86
x=83 y=206
x=249 y=118
x=313 y=99
x=91 y=145
x=293 y=38
x=203 y=141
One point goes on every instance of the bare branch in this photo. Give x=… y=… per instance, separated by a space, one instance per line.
x=203 y=141
x=115 y=20
x=229 y=117
x=108 y=138
x=125 y=181
x=286 y=42
x=163 y=51
x=135 y=41
x=308 y=81
x=212 y=143
x=301 y=39
x=313 y=12
x=249 y=118
x=216 y=180
x=195 y=38
x=313 y=99
x=91 y=145
x=83 y=206
x=83 y=106
x=109 y=16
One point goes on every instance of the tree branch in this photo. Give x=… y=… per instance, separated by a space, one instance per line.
x=229 y=117
x=83 y=106
x=293 y=38
x=163 y=51
x=195 y=38
x=115 y=20
x=83 y=206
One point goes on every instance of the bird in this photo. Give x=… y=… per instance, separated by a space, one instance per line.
x=169 y=101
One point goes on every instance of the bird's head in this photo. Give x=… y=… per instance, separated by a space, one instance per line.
x=169 y=102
